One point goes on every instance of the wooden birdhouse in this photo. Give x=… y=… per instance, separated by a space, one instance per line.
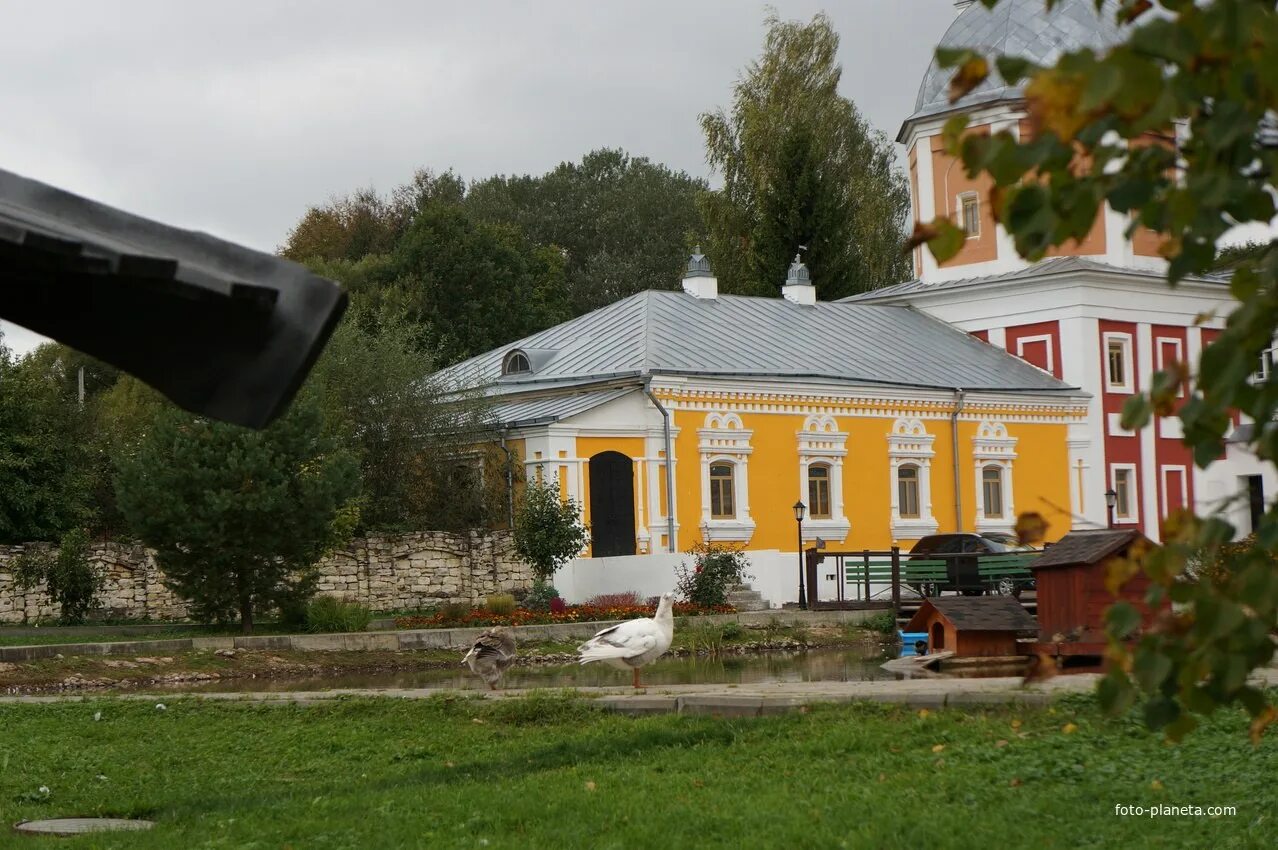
x=973 y=626
x=1071 y=589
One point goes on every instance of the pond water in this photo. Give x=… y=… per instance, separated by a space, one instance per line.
x=844 y=664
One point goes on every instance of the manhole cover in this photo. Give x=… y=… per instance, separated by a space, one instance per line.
x=75 y=826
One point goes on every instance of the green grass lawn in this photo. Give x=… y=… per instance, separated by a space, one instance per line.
x=554 y=772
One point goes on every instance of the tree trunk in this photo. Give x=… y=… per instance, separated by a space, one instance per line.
x=246 y=606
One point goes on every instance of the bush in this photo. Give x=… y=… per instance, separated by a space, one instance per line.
x=884 y=622
x=540 y=597
x=500 y=603
x=732 y=631
x=608 y=600
x=330 y=614
x=453 y=612
x=715 y=570
x=548 y=530
x=70 y=580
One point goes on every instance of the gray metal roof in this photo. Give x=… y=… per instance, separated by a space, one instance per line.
x=673 y=333
x=1044 y=268
x=1021 y=28
x=524 y=413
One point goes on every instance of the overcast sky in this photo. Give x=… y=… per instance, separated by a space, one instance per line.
x=233 y=117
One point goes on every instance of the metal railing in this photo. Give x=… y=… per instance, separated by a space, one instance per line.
x=870 y=575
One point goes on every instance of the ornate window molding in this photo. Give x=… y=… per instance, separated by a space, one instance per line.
x=993 y=446
x=724 y=439
x=910 y=443
x=821 y=442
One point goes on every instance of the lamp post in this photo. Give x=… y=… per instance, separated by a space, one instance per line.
x=1111 y=499
x=799 y=510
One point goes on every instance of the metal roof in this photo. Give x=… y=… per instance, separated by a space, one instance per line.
x=1041 y=269
x=220 y=329
x=525 y=413
x=673 y=333
x=1022 y=28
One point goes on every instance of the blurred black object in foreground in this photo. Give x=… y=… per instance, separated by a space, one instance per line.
x=222 y=330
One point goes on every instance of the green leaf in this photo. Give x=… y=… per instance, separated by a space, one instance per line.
x=1137 y=411
x=1115 y=693
x=1151 y=668
x=1121 y=620
x=1013 y=69
x=1161 y=711
x=948 y=240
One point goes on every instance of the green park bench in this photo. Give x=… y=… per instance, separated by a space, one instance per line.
x=1007 y=574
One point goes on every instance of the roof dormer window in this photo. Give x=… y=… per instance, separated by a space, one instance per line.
x=516 y=363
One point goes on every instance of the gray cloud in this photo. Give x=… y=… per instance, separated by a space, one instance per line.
x=234 y=117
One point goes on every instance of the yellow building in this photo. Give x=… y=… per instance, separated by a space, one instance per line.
x=886 y=423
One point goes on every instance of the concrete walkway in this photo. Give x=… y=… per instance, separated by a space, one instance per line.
x=752 y=700
x=721 y=700
x=403 y=639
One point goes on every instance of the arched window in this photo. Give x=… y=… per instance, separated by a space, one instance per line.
x=992 y=491
x=721 y=488
x=819 y=490
x=516 y=362
x=907 y=490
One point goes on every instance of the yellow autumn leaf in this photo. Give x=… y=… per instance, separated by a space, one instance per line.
x=923 y=713
x=1262 y=721
x=969 y=75
x=590 y=785
x=936 y=748
x=1016 y=723
x=1156 y=785
x=1069 y=728
x=1052 y=100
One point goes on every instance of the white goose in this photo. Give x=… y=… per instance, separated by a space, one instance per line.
x=634 y=643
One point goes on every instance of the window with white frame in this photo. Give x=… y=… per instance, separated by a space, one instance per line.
x=910 y=455
x=822 y=447
x=819 y=490
x=1265 y=367
x=907 y=490
x=993 y=454
x=1118 y=363
x=992 y=491
x=724 y=445
x=1170 y=353
x=722 y=484
x=1123 y=480
x=969 y=204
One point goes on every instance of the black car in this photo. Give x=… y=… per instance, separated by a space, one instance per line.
x=963 y=572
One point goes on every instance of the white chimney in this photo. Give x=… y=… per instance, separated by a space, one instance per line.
x=698 y=280
x=798 y=285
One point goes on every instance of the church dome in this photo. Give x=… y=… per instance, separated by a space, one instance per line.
x=1021 y=28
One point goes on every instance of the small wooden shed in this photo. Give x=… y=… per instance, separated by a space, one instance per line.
x=973 y=625
x=1072 y=596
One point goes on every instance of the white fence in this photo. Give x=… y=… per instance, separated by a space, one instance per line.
x=775 y=575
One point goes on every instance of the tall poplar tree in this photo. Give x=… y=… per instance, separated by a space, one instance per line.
x=801 y=167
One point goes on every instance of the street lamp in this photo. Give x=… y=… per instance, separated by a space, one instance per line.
x=799 y=510
x=1111 y=499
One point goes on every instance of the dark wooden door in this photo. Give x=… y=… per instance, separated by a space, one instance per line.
x=612 y=505
x=1255 y=500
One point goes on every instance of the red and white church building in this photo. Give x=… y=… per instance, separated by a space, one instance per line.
x=1098 y=314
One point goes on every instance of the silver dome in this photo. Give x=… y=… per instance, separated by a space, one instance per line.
x=1021 y=28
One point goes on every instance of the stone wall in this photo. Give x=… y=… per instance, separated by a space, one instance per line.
x=404 y=572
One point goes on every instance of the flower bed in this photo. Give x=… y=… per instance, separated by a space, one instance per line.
x=571 y=614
